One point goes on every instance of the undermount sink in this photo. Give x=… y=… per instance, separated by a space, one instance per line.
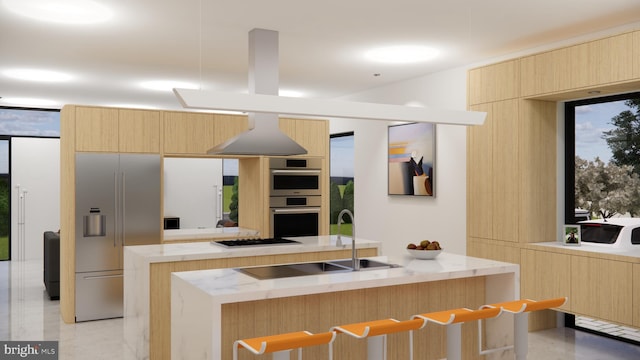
x=302 y=269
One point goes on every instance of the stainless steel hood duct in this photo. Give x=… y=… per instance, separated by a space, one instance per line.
x=264 y=136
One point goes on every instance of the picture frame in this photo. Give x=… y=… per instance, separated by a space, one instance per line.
x=572 y=235
x=411 y=159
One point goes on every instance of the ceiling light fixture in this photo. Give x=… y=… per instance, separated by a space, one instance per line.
x=71 y=12
x=266 y=102
x=401 y=54
x=37 y=75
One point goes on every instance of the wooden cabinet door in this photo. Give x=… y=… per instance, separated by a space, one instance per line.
x=229 y=126
x=188 y=133
x=139 y=131
x=313 y=135
x=494 y=82
x=602 y=288
x=546 y=275
x=479 y=174
x=96 y=129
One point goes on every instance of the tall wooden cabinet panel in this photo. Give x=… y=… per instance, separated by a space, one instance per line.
x=96 y=129
x=537 y=174
x=601 y=61
x=494 y=82
x=602 y=288
x=305 y=133
x=545 y=275
x=479 y=175
x=139 y=131
x=506 y=188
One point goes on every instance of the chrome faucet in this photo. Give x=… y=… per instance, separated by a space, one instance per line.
x=355 y=262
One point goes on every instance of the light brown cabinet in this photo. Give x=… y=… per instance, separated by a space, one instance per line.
x=493 y=168
x=305 y=133
x=594 y=63
x=117 y=130
x=494 y=82
x=96 y=129
x=194 y=133
x=139 y=131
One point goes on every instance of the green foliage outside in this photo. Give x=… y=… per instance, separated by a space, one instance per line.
x=4 y=247
x=233 y=205
x=227 y=191
x=341 y=197
x=613 y=188
x=624 y=140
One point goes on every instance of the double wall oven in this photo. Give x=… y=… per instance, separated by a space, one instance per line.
x=295 y=196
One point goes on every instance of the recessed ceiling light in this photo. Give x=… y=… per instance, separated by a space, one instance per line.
x=403 y=54
x=168 y=85
x=29 y=102
x=73 y=12
x=37 y=75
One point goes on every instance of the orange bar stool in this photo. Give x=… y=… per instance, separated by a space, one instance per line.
x=282 y=344
x=521 y=310
x=376 y=334
x=453 y=319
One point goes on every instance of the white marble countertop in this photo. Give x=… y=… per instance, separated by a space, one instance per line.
x=590 y=248
x=209 y=233
x=207 y=250
x=229 y=285
x=198 y=296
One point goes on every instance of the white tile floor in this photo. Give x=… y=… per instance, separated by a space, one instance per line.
x=27 y=314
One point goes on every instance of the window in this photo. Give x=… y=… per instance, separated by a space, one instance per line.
x=341 y=180
x=602 y=157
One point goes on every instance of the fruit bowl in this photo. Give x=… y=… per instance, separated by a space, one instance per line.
x=424 y=254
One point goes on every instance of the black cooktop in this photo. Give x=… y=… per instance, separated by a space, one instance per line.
x=254 y=242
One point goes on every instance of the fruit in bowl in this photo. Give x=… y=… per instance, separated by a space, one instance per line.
x=425 y=249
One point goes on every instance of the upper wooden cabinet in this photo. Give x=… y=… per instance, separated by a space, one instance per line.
x=117 y=130
x=594 y=63
x=194 y=133
x=313 y=135
x=545 y=72
x=139 y=131
x=96 y=129
x=494 y=82
x=636 y=55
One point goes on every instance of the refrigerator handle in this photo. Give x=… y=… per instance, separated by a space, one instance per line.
x=218 y=195
x=122 y=208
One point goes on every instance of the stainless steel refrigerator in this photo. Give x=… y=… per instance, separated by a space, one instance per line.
x=117 y=204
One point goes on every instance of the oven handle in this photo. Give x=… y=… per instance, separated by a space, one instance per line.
x=295 y=172
x=295 y=210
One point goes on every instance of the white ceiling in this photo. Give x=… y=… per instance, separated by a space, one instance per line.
x=321 y=43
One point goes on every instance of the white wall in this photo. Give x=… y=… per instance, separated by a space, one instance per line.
x=193 y=191
x=398 y=220
x=35 y=169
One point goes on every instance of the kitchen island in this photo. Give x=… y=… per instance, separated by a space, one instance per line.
x=147 y=279
x=213 y=308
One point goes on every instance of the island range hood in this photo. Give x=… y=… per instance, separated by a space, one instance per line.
x=264 y=136
x=263 y=105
